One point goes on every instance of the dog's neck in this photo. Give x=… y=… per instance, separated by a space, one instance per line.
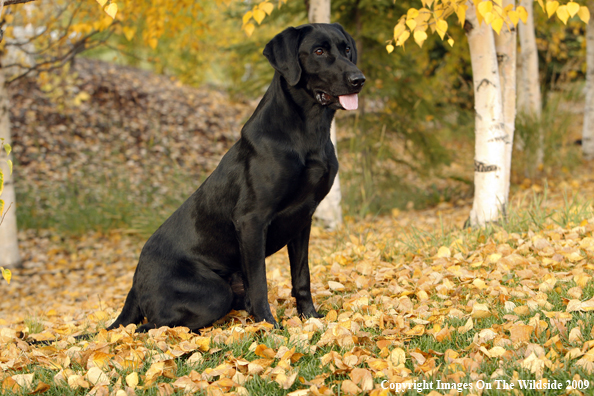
x=308 y=116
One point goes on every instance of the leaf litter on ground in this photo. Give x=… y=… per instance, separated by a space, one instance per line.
x=407 y=297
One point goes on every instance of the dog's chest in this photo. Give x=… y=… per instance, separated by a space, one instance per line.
x=316 y=175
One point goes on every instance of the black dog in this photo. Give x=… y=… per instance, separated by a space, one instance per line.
x=208 y=257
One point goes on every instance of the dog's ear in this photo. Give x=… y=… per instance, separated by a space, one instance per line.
x=351 y=41
x=283 y=54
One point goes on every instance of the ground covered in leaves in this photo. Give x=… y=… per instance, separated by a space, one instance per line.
x=407 y=298
x=413 y=302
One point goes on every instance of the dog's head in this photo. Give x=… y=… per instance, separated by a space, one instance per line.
x=321 y=58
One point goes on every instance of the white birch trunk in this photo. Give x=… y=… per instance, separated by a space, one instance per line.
x=505 y=45
x=529 y=83
x=9 y=248
x=329 y=211
x=319 y=11
x=519 y=143
x=588 y=131
x=490 y=137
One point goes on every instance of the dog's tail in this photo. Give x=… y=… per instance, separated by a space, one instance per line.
x=130 y=313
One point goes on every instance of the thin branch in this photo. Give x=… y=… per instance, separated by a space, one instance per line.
x=60 y=61
x=12 y=2
x=5 y=212
x=54 y=42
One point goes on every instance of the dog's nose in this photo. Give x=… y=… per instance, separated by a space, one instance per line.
x=356 y=80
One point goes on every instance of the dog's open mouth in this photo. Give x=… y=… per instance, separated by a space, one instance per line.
x=348 y=102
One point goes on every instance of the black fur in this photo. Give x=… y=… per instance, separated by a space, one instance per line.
x=208 y=257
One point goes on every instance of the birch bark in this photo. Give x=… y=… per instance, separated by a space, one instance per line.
x=490 y=137
x=529 y=83
x=9 y=248
x=505 y=45
x=329 y=211
x=588 y=131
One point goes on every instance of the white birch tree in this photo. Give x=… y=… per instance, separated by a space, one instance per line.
x=329 y=211
x=491 y=139
x=10 y=256
x=505 y=45
x=530 y=100
x=588 y=128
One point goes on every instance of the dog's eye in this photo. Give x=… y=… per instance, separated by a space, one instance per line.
x=319 y=51
x=347 y=50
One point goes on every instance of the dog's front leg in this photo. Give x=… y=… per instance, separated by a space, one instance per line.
x=300 y=278
x=251 y=234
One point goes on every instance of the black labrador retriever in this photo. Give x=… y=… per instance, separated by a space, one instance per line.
x=208 y=257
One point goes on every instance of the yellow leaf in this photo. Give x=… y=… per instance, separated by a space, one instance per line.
x=266 y=7
x=520 y=333
x=541 y=4
x=443 y=251
x=132 y=379
x=584 y=14
x=467 y=327
x=485 y=7
x=1 y=203
x=259 y=15
x=423 y=17
x=480 y=311
x=490 y=17
x=6 y=274
x=497 y=24
x=7 y=148
x=398 y=357
x=461 y=13
x=398 y=30
x=551 y=7
x=411 y=23
x=112 y=10
x=522 y=13
x=335 y=286
x=403 y=37
x=572 y=8
x=441 y=27
x=129 y=32
x=412 y=13
x=420 y=37
x=246 y=17
x=451 y=42
x=153 y=42
x=514 y=17
x=479 y=284
x=563 y=14
x=249 y=29
x=9 y=162
x=102 y=2
x=389 y=48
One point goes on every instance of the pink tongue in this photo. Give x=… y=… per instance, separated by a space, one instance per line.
x=349 y=102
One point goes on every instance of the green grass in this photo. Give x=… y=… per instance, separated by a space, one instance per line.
x=101 y=203
x=535 y=215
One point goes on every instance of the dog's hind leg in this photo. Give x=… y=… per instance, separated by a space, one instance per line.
x=130 y=313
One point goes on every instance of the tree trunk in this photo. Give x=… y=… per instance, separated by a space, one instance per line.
x=319 y=11
x=588 y=131
x=490 y=137
x=505 y=45
x=329 y=211
x=9 y=248
x=529 y=83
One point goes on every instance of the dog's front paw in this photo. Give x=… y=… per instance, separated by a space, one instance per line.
x=310 y=313
x=268 y=318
